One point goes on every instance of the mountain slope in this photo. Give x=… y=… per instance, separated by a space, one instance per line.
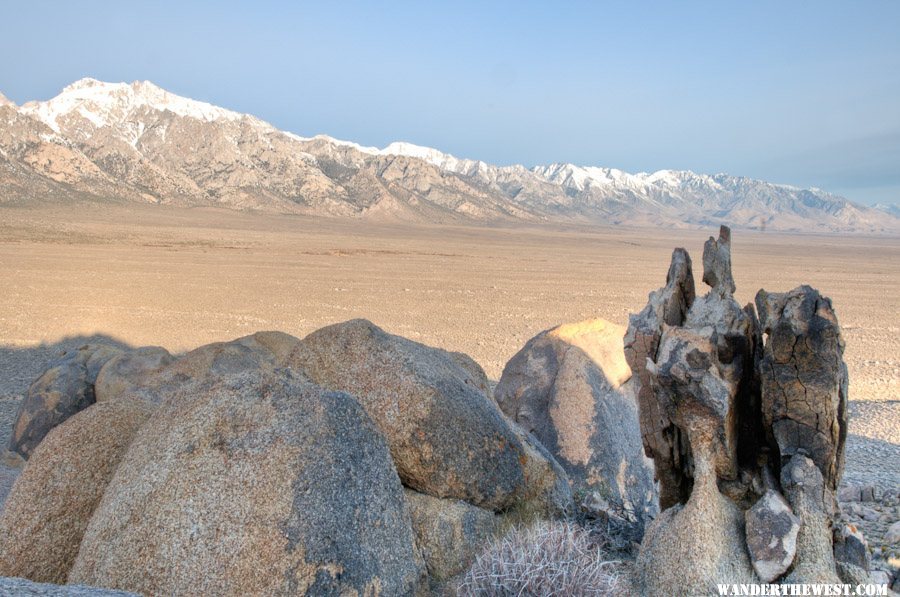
x=138 y=142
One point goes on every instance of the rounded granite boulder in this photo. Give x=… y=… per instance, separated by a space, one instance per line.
x=128 y=372
x=64 y=389
x=49 y=507
x=447 y=438
x=253 y=481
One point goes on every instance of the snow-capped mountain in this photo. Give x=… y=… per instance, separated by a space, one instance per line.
x=138 y=142
x=892 y=209
x=114 y=104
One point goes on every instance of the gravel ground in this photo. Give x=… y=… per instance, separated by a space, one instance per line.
x=20 y=587
x=873 y=446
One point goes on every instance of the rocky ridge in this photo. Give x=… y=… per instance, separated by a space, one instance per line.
x=138 y=142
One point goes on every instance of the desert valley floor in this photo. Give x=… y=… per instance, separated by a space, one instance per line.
x=182 y=278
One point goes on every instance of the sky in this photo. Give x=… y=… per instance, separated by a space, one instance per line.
x=804 y=93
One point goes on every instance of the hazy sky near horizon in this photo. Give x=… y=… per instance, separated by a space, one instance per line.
x=805 y=93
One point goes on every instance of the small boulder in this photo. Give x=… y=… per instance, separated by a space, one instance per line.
x=251 y=480
x=150 y=375
x=212 y=361
x=892 y=535
x=48 y=510
x=450 y=533
x=566 y=388
x=880 y=577
x=851 y=547
x=127 y=373
x=852 y=575
x=771 y=535
x=850 y=493
x=278 y=344
x=64 y=389
x=869 y=493
x=811 y=500
x=447 y=438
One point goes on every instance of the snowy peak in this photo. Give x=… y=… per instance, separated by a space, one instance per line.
x=583 y=178
x=4 y=101
x=428 y=154
x=669 y=178
x=889 y=208
x=336 y=142
x=110 y=104
x=442 y=160
x=85 y=83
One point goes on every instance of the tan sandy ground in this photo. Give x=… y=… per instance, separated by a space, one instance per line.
x=182 y=278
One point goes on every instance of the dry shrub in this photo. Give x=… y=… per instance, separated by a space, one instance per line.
x=550 y=558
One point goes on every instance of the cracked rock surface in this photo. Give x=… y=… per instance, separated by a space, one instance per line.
x=740 y=413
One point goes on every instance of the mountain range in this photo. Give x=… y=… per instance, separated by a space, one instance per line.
x=138 y=142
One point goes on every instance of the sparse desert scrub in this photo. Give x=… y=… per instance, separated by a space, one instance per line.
x=549 y=558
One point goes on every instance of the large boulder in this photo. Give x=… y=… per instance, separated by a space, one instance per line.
x=253 y=481
x=450 y=533
x=150 y=374
x=64 y=389
x=447 y=438
x=851 y=547
x=566 y=388
x=48 y=510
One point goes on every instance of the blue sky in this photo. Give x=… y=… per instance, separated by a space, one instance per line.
x=806 y=93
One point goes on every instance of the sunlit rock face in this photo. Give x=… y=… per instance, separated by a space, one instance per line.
x=568 y=387
x=745 y=422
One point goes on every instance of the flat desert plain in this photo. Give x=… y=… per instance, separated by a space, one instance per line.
x=150 y=275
